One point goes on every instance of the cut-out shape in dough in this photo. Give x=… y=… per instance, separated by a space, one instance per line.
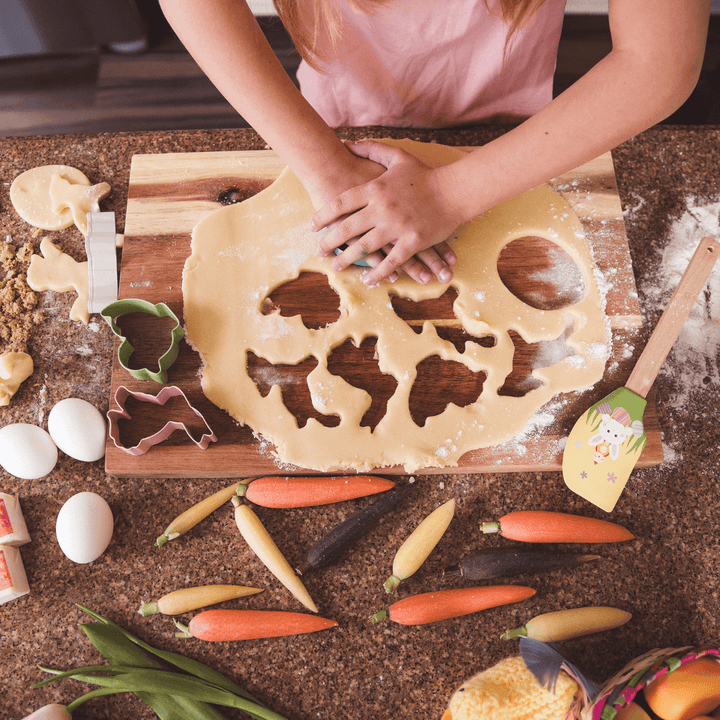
x=317 y=309
x=291 y=381
x=241 y=253
x=540 y=273
x=358 y=366
x=444 y=382
x=30 y=195
x=529 y=356
x=446 y=324
x=78 y=199
x=56 y=270
x=15 y=368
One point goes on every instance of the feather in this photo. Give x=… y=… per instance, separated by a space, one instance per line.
x=546 y=663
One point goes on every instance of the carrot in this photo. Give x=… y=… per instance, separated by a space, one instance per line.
x=332 y=545
x=571 y=623
x=292 y=492
x=539 y=526
x=443 y=604
x=506 y=562
x=193 y=515
x=192 y=598
x=259 y=540
x=219 y=625
x=419 y=544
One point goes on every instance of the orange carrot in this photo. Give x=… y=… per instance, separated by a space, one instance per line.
x=291 y=492
x=539 y=526
x=221 y=625
x=443 y=604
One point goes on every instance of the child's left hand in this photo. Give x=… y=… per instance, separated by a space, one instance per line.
x=405 y=213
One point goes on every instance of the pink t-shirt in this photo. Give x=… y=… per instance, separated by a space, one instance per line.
x=434 y=63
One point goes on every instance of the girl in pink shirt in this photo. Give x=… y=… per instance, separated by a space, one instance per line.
x=436 y=63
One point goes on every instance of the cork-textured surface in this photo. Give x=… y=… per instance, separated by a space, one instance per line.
x=667 y=577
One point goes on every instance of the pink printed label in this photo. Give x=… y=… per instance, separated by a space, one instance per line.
x=6 y=527
x=5 y=580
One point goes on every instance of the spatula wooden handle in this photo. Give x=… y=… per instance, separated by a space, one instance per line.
x=673 y=318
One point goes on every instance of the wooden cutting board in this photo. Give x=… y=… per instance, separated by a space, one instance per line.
x=169 y=193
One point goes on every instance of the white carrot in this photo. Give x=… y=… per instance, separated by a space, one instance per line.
x=258 y=538
x=419 y=544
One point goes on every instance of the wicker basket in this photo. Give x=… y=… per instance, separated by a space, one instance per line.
x=617 y=692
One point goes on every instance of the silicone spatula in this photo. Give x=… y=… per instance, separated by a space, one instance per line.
x=607 y=440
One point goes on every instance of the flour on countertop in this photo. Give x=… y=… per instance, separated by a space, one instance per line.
x=693 y=365
x=694 y=361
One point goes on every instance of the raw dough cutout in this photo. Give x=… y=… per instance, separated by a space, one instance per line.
x=242 y=253
x=30 y=195
x=78 y=199
x=57 y=271
x=53 y=197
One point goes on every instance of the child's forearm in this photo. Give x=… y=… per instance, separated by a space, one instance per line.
x=643 y=80
x=227 y=43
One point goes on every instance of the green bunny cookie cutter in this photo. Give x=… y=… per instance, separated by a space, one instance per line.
x=133 y=305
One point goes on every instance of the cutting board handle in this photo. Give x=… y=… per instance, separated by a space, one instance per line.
x=673 y=318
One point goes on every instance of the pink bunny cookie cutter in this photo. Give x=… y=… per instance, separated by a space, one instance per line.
x=122 y=394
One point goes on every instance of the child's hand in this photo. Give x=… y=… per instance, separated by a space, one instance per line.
x=403 y=213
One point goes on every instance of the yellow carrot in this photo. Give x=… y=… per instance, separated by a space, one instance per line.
x=419 y=544
x=192 y=516
x=259 y=540
x=186 y=599
x=567 y=624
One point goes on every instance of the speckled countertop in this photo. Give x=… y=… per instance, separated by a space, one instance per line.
x=669 y=179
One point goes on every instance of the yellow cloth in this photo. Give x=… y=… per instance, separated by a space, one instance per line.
x=509 y=691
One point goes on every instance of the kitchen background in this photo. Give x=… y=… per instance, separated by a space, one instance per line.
x=88 y=66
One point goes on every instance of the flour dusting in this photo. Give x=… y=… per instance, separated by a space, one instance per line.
x=694 y=362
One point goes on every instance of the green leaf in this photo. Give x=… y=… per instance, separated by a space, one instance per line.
x=171 y=683
x=116 y=648
x=171 y=707
x=189 y=665
x=61 y=674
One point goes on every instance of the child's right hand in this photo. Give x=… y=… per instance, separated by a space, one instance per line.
x=398 y=218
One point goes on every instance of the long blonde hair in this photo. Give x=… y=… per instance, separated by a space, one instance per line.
x=326 y=20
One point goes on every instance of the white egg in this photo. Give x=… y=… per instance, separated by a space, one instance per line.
x=27 y=451
x=78 y=429
x=84 y=527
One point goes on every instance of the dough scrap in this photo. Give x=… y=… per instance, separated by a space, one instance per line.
x=78 y=199
x=30 y=196
x=15 y=368
x=241 y=253
x=57 y=271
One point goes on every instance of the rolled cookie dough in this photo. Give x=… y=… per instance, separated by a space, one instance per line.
x=241 y=253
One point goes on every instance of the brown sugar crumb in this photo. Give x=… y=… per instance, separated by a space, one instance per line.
x=18 y=302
